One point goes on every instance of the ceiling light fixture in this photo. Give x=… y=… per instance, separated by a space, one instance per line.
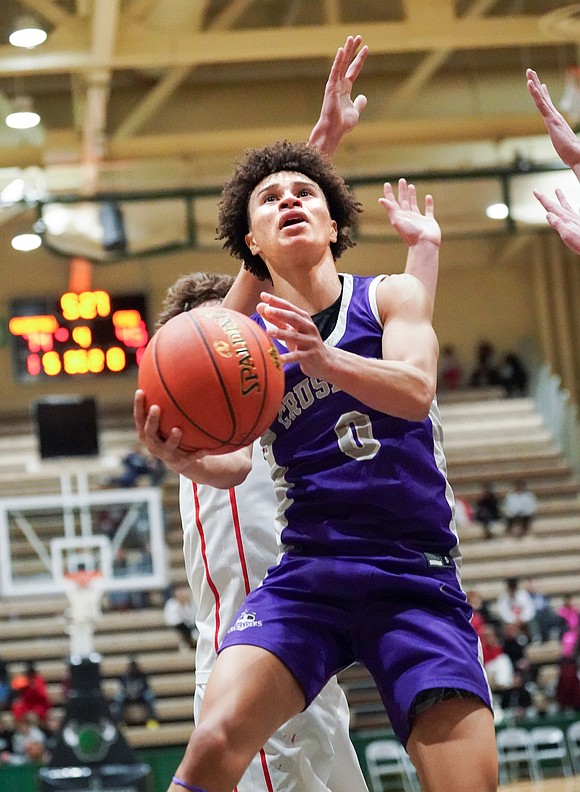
x=27 y=33
x=497 y=211
x=23 y=116
x=13 y=192
x=26 y=242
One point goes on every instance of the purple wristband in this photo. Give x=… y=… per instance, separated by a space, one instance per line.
x=178 y=782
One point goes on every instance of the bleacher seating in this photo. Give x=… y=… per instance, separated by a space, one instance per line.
x=486 y=439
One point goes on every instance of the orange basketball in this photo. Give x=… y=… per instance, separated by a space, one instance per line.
x=216 y=375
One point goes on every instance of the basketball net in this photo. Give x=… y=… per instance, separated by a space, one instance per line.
x=84 y=600
x=570 y=101
x=83 y=577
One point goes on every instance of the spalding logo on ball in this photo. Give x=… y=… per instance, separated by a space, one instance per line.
x=216 y=375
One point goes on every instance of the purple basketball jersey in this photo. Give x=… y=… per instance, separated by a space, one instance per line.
x=350 y=479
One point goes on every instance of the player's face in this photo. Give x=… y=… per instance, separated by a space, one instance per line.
x=288 y=211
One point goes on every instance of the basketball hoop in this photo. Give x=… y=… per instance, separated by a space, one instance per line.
x=570 y=101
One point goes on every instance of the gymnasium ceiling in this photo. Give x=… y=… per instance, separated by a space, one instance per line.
x=164 y=94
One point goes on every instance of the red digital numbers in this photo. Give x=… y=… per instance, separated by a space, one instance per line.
x=87 y=333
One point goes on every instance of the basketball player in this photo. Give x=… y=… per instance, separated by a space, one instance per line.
x=370 y=571
x=560 y=215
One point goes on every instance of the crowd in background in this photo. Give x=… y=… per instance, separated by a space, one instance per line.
x=489 y=370
x=30 y=721
x=521 y=616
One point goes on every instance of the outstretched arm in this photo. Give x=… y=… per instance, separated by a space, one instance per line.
x=420 y=231
x=340 y=113
x=562 y=218
x=563 y=138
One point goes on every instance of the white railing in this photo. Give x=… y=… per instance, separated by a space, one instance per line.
x=559 y=414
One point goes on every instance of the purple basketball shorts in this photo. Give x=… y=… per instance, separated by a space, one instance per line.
x=406 y=620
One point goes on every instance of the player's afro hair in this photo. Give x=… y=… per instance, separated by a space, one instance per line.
x=233 y=221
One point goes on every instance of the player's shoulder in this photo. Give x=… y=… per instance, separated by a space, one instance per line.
x=401 y=286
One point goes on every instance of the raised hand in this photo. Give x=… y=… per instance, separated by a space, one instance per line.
x=406 y=217
x=563 y=138
x=562 y=218
x=340 y=113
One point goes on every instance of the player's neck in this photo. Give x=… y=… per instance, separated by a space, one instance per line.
x=310 y=288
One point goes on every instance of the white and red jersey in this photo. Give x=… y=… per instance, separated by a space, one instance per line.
x=229 y=542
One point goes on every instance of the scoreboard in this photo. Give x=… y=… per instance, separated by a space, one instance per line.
x=92 y=333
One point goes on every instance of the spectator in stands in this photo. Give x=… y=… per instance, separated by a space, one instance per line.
x=514 y=643
x=5 y=688
x=518 y=698
x=179 y=613
x=30 y=695
x=463 y=514
x=515 y=606
x=568 y=686
x=450 y=375
x=28 y=743
x=7 y=729
x=134 y=689
x=51 y=731
x=570 y=636
x=477 y=620
x=513 y=375
x=497 y=664
x=482 y=615
x=546 y=624
x=485 y=374
x=137 y=465
x=519 y=508
x=487 y=509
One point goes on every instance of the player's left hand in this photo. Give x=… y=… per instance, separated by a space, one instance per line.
x=406 y=217
x=295 y=328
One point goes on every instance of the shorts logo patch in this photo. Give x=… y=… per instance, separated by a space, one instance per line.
x=437 y=560
x=245 y=620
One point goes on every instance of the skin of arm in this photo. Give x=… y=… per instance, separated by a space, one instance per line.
x=560 y=215
x=402 y=384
